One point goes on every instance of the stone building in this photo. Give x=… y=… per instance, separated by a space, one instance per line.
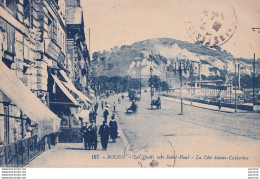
x=77 y=52
x=35 y=91
x=22 y=51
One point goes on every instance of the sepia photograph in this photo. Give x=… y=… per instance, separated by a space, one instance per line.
x=129 y=84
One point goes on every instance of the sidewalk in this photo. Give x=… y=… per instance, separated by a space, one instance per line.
x=204 y=106
x=75 y=155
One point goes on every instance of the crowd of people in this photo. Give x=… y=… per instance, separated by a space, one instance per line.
x=107 y=130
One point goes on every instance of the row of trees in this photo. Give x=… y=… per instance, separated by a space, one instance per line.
x=156 y=82
x=122 y=84
x=116 y=83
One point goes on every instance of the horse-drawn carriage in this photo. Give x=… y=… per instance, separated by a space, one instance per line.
x=157 y=103
x=134 y=95
x=132 y=109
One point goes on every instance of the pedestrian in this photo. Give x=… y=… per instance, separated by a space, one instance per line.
x=93 y=135
x=86 y=136
x=104 y=135
x=107 y=94
x=96 y=107
x=92 y=116
x=105 y=113
x=114 y=106
x=113 y=128
x=219 y=104
x=102 y=105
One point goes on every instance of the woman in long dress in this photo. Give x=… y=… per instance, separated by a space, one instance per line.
x=113 y=128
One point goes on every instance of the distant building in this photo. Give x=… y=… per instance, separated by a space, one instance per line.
x=213 y=90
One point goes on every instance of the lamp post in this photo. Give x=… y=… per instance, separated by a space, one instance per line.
x=140 y=86
x=180 y=66
x=254 y=80
x=180 y=72
x=235 y=87
x=258 y=30
x=151 y=76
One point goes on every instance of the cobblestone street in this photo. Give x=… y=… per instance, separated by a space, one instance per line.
x=219 y=138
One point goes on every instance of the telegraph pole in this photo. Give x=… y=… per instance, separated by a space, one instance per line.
x=151 y=73
x=89 y=43
x=254 y=80
x=238 y=71
x=167 y=82
x=180 y=72
x=235 y=87
x=140 y=86
x=170 y=85
x=230 y=92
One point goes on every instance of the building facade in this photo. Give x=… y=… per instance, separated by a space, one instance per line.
x=77 y=52
x=36 y=56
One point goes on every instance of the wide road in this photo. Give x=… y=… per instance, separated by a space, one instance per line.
x=198 y=138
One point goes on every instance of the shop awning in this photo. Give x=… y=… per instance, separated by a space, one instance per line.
x=91 y=91
x=21 y=95
x=71 y=86
x=84 y=114
x=65 y=91
x=92 y=95
x=84 y=98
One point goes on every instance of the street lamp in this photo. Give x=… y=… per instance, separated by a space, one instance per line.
x=254 y=29
x=180 y=73
x=235 y=87
x=140 y=86
x=180 y=67
x=151 y=75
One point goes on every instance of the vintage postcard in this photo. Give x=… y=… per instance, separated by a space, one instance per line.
x=129 y=84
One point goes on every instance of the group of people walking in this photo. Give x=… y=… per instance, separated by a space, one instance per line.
x=90 y=130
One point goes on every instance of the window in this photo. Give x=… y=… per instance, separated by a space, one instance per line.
x=60 y=39
x=73 y=2
x=52 y=29
x=6 y=123
x=11 y=4
x=64 y=43
x=27 y=13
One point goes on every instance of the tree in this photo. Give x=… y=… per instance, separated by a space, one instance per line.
x=165 y=86
x=95 y=55
x=156 y=82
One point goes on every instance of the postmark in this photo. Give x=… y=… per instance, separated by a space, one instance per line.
x=211 y=24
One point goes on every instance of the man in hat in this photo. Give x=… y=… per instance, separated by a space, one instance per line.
x=104 y=135
x=86 y=136
x=102 y=105
x=106 y=113
x=96 y=107
x=114 y=106
x=93 y=135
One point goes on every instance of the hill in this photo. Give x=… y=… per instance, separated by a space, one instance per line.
x=162 y=55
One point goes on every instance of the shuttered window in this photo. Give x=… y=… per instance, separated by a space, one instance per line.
x=52 y=29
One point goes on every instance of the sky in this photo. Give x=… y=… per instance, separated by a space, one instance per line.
x=123 y=22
